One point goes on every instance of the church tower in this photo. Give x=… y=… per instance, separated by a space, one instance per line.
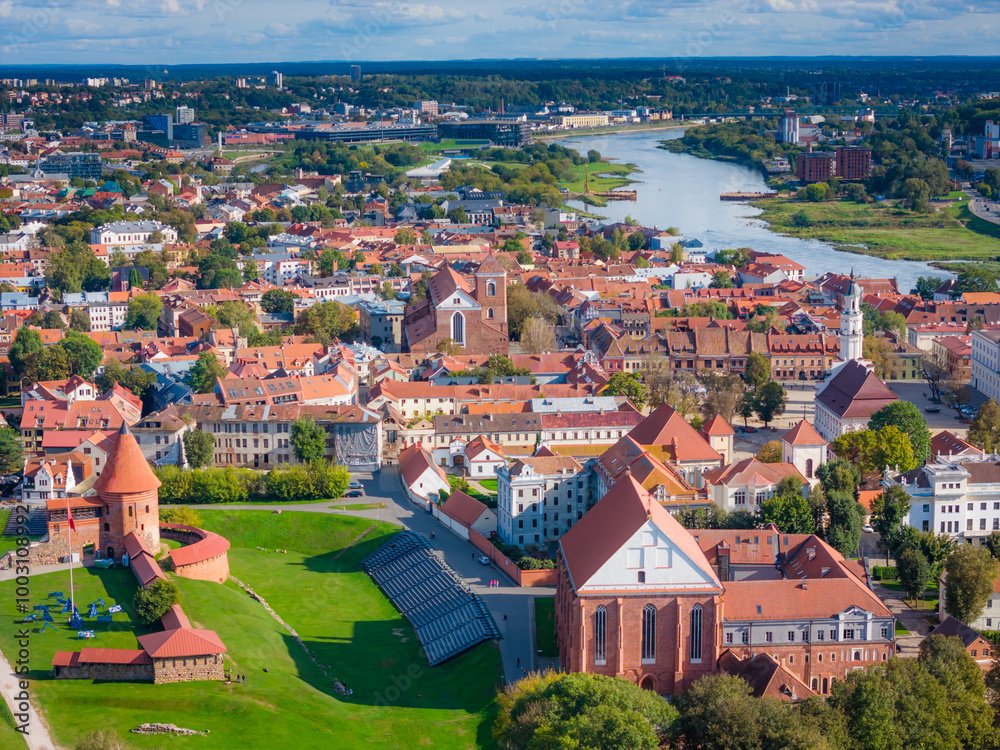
x=491 y=293
x=128 y=488
x=852 y=324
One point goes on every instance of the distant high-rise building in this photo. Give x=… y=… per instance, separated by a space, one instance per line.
x=426 y=107
x=277 y=79
x=163 y=123
x=356 y=73
x=241 y=83
x=790 y=127
x=185 y=115
x=816 y=167
x=85 y=165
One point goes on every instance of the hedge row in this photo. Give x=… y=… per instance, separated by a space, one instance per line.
x=883 y=573
x=231 y=485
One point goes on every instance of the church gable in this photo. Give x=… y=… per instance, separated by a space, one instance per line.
x=458 y=300
x=650 y=560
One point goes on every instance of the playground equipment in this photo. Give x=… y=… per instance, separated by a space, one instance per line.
x=85 y=634
x=47 y=624
x=114 y=608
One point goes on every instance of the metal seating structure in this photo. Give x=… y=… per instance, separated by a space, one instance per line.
x=447 y=615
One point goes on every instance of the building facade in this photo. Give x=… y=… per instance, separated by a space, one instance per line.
x=540 y=498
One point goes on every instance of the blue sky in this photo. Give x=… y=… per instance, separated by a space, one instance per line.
x=207 y=31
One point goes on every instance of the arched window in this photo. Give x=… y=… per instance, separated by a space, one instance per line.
x=826 y=685
x=649 y=633
x=696 y=617
x=857 y=656
x=491 y=289
x=489 y=313
x=809 y=468
x=458 y=329
x=601 y=636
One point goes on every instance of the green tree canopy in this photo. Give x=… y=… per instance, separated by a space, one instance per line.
x=769 y=401
x=205 y=372
x=199 y=447
x=629 y=385
x=790 y=513
x=984 y=432
x=144 y=312
x=758 y=370
x=84 y=355
x=151 y=604
x=308 y=440
x=914 y=572
x=969 y=577
x=278 y=301
x=11 y=451
x=326 y=321
x=906 y=417
x=27 y=347
x=846 y=520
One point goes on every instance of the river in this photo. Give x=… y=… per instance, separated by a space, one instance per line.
x=683 y=191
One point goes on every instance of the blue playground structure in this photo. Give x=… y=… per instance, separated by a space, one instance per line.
x=85 y=634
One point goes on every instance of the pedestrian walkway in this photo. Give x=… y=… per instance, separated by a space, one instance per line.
x=36 y=734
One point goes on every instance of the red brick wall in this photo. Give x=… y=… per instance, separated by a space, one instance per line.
x=822 y=660
x=145 y=523
x=215 y=569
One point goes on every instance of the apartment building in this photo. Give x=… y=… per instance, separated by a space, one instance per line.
x=539 y=498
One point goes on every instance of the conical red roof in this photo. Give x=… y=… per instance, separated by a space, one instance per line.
x=126 y=470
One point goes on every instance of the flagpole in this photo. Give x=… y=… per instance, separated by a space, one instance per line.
x=69 y=537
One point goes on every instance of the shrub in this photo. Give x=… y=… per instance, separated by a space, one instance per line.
x=885 y=573
x=152 y=603
x=231 y=485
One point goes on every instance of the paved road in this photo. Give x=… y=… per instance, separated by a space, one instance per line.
x=983 y=208
x=517 y=645
x=37 y=735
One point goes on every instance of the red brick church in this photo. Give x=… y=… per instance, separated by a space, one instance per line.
x=640 y=597
x=473 y=314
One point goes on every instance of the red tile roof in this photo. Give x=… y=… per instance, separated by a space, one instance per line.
x=182 y=642
x=803 y=433
x=464 y=509
x=855 y=392
x=812 y=598
x=126 y=470
x=606 y=527
x=667 y=429
x=717 y=426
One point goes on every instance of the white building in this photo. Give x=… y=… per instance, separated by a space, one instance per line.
x=747 y=483
x=126 y=233
x=805 y=449
x=107 y=310
x=957 y=498
x=423 y=481
x=540 y=498
x=986 y=363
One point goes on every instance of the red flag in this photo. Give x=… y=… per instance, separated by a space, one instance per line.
x=70 y=514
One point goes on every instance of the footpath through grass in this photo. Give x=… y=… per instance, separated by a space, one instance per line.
x=883 y=230
x=345 y=621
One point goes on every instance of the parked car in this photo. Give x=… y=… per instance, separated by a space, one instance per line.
x=484 y=560
x=355 y=493
x=932 y=409
x=354 y=484
x=749 y=429
x=869 y=529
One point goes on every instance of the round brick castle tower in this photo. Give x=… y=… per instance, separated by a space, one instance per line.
x=128 y=489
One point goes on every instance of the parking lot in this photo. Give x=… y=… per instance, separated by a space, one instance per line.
x=920 y=395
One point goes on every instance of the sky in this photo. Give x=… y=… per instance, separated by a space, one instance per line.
x=226 y=31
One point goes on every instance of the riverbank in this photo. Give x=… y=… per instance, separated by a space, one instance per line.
x=679 y=146
x=611 y=130
x=883 y=230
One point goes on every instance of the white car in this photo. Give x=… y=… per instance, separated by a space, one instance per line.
x=484 y=560
x=869 y=529
x=354 y=484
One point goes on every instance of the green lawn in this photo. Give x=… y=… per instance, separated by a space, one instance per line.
x=901 y=629
x=884 y=230
x=488 y=484
x=545 y=626
x=603 y=176
x=9 y=737
x=930 y=600
x=339 y=613
x=7 y=543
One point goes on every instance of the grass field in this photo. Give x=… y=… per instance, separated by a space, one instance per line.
x=901 y=629
x=343 y=618
x=9 y=737
x=488 y=484
x=545 y=626
x=886 y=231
x=604 y=176
x=930 y=600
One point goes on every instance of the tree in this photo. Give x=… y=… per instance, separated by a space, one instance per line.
x=75 y=268
x=926 y=286
x=278 y=301
x=326 y=321
x=388 y=291
x=984 y=432
x=790 y=513
x=144 y=312
x=629 y=385
x=181 y=514
x=458 y=215
x=770 y=452
x=882 y=354
x=538 y=335
x=11 y=451
x=151 y=604
x=27 y=346
x=889 y=510
x=677 y=254
x=523 y=304
x=846 y=519
x=873 y=451
x=770 y=401
x=199 y=447
x=405 y=236
x=969 y=577
x=308 y=440
x=974 y=278
x=758 y=370
x=84 y=355
x=721 y=280
x=906 y=417
x=914 y=572
x=722 y=397
x=79 y=320
x=947 y=661
x=448 y=346
x=136 y=380
x=840 y=476
x=53 y=364
x=553 y=710
x=205 y=372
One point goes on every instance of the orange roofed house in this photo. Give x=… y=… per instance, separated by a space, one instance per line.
x=642 y=598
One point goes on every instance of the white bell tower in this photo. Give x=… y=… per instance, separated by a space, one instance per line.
x=852 y=334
